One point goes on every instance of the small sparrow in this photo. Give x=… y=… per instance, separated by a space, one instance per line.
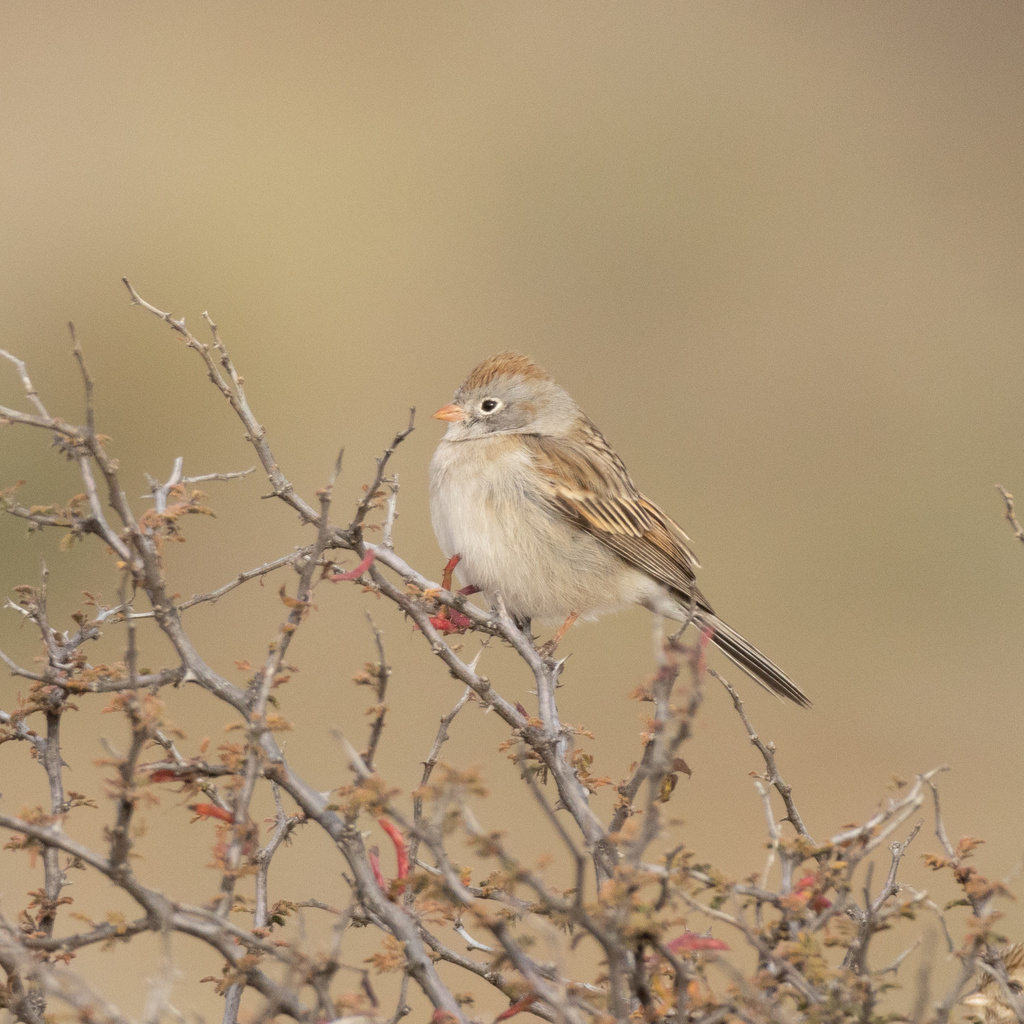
x=541 y=511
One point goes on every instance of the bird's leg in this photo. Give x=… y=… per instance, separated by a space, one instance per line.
x=564 y=628
x=551 y=646
x=446 y=576
x=690 y=607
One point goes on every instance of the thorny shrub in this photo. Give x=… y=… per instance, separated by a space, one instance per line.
x=665 y=928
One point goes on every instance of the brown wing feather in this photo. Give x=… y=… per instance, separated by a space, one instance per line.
x=591 y=487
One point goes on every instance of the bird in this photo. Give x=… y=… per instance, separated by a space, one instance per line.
x=538 y=509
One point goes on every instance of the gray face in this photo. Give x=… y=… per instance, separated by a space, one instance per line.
x=513 y=406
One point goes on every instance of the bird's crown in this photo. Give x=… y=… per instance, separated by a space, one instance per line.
x=504 y=364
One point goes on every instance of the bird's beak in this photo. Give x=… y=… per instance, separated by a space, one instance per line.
x=451 y=413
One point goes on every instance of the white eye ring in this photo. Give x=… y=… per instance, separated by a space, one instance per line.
x=489 y=405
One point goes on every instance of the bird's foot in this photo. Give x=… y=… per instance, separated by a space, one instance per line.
x=449 y=620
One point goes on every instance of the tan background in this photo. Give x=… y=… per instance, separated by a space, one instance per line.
x=774 y=250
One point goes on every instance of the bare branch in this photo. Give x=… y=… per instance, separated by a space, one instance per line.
x=767 y=751
x=1010 y=515
x=381 y=675
x=231 y=388
x=369 y=499
x=90 y=412
x=26 y=383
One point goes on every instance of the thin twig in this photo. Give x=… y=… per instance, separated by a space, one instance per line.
x=1010 y=515
x=370 y=497
x=381 y=676
x=26 y=383
x=767 y=751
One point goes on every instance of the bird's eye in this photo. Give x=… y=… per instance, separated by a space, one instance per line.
x=488 y=405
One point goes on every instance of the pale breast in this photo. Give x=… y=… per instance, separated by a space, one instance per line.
x=486 y=507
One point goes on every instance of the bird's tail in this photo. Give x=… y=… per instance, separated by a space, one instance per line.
x=751 y=660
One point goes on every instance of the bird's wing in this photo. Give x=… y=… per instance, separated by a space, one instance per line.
x=590 y=486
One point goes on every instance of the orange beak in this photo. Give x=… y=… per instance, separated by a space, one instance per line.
x=451 y=413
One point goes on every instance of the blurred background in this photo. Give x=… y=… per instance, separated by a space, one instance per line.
x=773 y=249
